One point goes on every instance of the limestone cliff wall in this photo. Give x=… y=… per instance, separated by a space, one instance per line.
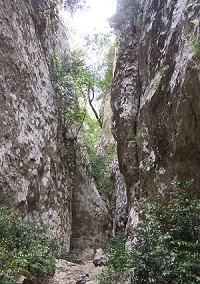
x=91 y=220
x=118 y=197
x=35 y=174
x=155 y=97
x=169 y=116
x=38 y=166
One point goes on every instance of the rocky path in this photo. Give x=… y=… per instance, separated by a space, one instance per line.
x=78 y=273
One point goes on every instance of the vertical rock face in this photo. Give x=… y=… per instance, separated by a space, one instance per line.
x=118 y=200
x=125 y=97
x=35 y=174
x=169 y=111
x=155 y=97
x=37 y=164
x=90 y=226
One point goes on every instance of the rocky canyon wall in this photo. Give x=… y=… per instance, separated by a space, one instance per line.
x=35 y=174
x=38 y=166
x=118 y=199
x=155 y=97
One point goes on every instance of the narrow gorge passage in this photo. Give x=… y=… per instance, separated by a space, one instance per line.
x=99 y=145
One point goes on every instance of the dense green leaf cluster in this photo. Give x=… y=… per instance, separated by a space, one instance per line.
x=99 y=161
x=70 y=256
x=25 y=249
x=67 y=78
x=76 y=86
x=116 y=259
x=168 y=245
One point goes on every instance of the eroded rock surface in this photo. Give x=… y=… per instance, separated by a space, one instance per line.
x=118 y=202
x=155 y=98
x=91 y=219
x=33 y=154
x=38 y=165
x=169 y=113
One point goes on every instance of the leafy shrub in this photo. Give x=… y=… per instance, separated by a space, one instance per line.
x=25 y=249
x=167 y=248
x=194 y=44
x=99 y=162
x=158 y=79
x=116 y=258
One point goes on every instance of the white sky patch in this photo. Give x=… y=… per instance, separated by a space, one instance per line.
x=89 y=21
x=96 y=17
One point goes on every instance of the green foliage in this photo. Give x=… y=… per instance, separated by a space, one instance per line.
x=100 y=167
x=99 y=162
x=91 y=129
x=137 y=22
x=98 y=46
x=77 y=84
x=70 y=256
x=108 y=67
x=158 y=79
x=111 y=150
x=146 y=164
x=25 y=249
x=116 y=259
x=167 y=248
x=138 y=137
x=127 y=13
x=53 y=25
x=185 y=10
x=67 y=79
x=185 y=183
x=195 y=46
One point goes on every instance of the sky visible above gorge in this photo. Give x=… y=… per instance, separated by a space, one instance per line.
x=96 y=17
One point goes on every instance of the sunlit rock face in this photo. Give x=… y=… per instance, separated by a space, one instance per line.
x=37 y=163
x=155 y=98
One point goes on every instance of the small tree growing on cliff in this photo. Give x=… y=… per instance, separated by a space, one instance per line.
x=77 y=83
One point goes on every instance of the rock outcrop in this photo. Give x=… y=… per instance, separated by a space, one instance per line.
x=32 y=152
x=156 y=117
x=118 y=199
x=74 y=273
x=155 y=97
x=91 y=220
x=38 y=166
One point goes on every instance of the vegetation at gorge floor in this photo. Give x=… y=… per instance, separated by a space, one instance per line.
x=25 y=249
x=167 y=247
